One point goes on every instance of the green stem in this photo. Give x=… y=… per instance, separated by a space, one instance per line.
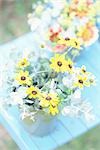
x=68 y=51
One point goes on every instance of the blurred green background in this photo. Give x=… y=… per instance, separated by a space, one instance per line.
x=13 y=23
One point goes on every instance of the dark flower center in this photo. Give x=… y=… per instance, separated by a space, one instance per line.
x=80 y=81
x=59 y=63
x=67 y=39
x=34 y=92
x=42 y=46
x=23 y=63
x=23 y=78
x=70 y=66
x=84 y=70
x=48 y=98
x=76 y=43
x=91 y=81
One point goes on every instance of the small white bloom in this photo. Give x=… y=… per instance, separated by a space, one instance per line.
x=70 y=33
x=58 y=4
x=66 y=110
x=33 y=22
x=26 y=53
x=55 y=27
x=70 y=111
x=77 y=94
x=16 y=99
x=68 y=82
x=55 y=12
x=22 y=92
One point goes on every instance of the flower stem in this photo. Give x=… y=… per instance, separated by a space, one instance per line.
x=68 y=51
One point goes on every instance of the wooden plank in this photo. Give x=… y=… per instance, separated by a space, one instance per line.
x=74 y=125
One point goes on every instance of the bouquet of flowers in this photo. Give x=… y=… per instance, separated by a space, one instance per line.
x=46 y=82
x=65 y=20
x=50 y=84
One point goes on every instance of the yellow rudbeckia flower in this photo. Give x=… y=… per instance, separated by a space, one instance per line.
x=33 y=92
x=70 y=42
x=53 y=110
x=23 y=78
x=75 y=43
x=81 y=82
x=63 y=41
x=69 y=66
x=49 y=99
x=23 y=63
x=83 y=71
x=58 y=63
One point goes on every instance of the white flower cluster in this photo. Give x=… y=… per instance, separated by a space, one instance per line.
x=79 y=106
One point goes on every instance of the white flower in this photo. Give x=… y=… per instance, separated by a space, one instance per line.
x=58 y=4
x=70 y=111
x=33 y=22
x=77 y=94
x=46 y=18
x=56 y=27
x=70 y=33
x=55 y=12
x=67 y=82
x=26 y=53
x=25 y=113
x=22 y=92
x=16 y=99
x=52 y=86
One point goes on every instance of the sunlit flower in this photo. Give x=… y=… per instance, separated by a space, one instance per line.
x=23 y=63
x=50 y=99
x=81 y=82
x=88 y=34
x=83 y=71
x=70 y=42
x=63 y=41
x=58 y=63
x=69 y=66
x=23 y=78
x=53 y=110
x=75 y=43
x=33 y=92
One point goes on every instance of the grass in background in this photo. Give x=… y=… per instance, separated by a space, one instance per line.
x=13 y=18
x=88 y=141
x=13 y=23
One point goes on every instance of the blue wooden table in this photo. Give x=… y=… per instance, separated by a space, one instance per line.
x=68 y=128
